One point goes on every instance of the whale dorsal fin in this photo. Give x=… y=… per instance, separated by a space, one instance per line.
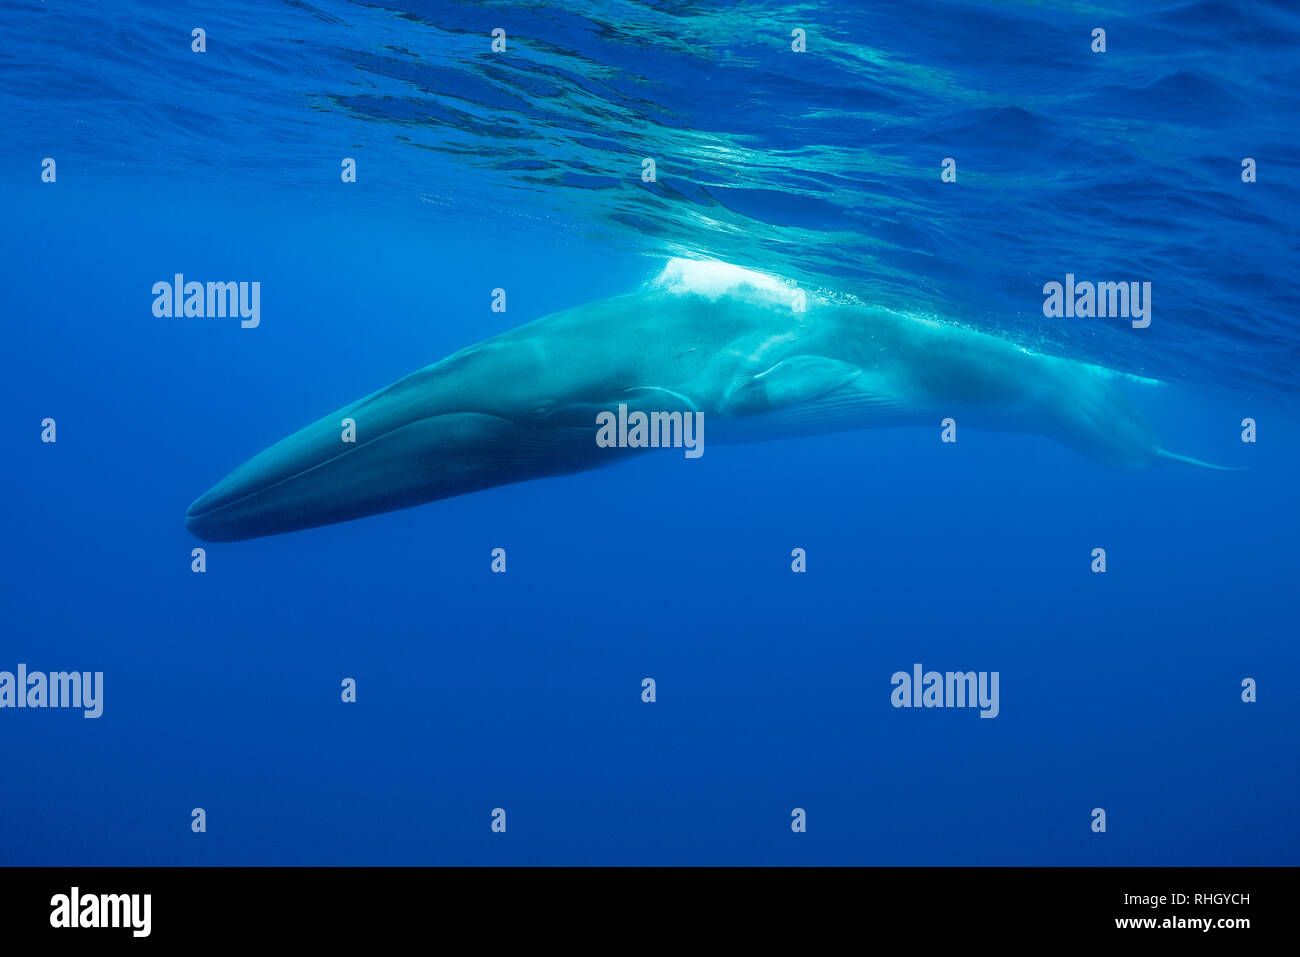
x=789 y=382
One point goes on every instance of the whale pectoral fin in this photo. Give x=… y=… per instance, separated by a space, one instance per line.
x=789 y=382
x=657 y=399
x=843 y=409
x=637 y=399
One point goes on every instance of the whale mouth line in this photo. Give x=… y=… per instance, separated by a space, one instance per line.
x=198 y=511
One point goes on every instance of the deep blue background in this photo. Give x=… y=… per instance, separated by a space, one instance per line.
x=523 y=690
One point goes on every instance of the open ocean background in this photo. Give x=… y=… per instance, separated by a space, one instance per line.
x=522 y=170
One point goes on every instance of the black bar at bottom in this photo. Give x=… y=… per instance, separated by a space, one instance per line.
x=336 y=906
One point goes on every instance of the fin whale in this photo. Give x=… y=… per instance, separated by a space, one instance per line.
x=704 y=337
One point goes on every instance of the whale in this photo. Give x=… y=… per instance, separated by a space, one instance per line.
x=752 y=357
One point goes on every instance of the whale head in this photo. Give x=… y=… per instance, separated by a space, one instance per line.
x=470 y=422
x=520 y=406
x=312 y=478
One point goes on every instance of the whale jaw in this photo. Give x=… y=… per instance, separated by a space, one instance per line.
x=329 y=481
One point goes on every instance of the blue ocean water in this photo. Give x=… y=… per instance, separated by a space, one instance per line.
x=522 y=170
